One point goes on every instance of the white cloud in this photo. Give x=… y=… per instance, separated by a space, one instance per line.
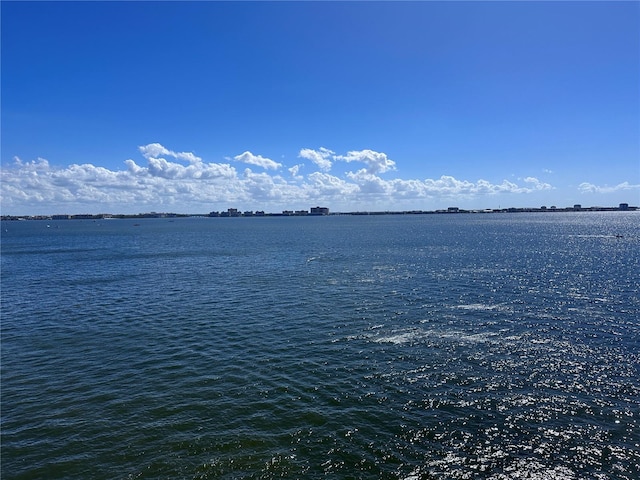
x=155 y=150
x=445 y=186
x=166 y=180
x=326 y=184
x=258 y=160
x=159 y=167
x=535 y=184
x=371 y=184
x=586 y=187
x=376 y=162
x=321 y=157
x=262 y=188
x=295 y=171
x=33 y=186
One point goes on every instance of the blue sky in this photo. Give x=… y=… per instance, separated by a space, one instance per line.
x=129 y=107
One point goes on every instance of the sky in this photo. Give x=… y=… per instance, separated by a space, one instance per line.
x=192 y=107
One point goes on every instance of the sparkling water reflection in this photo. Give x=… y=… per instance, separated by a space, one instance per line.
x=410 y=347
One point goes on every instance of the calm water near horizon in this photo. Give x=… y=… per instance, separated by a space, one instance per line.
x=492 y=346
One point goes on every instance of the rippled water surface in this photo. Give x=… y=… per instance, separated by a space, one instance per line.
x=497 y=346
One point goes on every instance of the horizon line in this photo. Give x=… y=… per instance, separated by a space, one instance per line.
x=324 y=211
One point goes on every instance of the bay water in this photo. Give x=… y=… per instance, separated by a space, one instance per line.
x=454 y=346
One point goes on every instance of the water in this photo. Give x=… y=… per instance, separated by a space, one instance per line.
x=498 y=346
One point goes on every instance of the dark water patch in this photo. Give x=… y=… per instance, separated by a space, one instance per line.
x=419 y=347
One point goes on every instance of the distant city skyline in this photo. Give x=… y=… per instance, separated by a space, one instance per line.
x=320 y=211
x=192 y=107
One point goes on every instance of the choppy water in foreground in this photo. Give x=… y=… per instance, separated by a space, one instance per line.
x=498 y=346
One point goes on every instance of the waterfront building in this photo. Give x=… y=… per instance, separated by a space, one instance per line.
x=319 y=211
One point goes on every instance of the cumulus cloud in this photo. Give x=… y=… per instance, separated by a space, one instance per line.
x=160 y=167
x=444 y=186
x=330 y=185
x=376 y=162
x=262 y=188
x=322 y=157
x=258 y=160
x=586 y=187
x=535 y=184
x=295 y=171
x=36 y=184
x=155 y=150
x=180 y=181
x=369 y=183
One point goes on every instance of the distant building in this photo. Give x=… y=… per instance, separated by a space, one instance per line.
x=60 y=217
x=453 y=209
x=623 y=206
x=577 y=206
x=231 y=212
x=319 y=211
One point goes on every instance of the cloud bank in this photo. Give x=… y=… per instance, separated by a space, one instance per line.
x=258 y=160
x=166 y=180
x=621 y=187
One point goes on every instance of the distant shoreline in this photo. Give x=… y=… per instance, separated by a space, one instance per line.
x=623 y=207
